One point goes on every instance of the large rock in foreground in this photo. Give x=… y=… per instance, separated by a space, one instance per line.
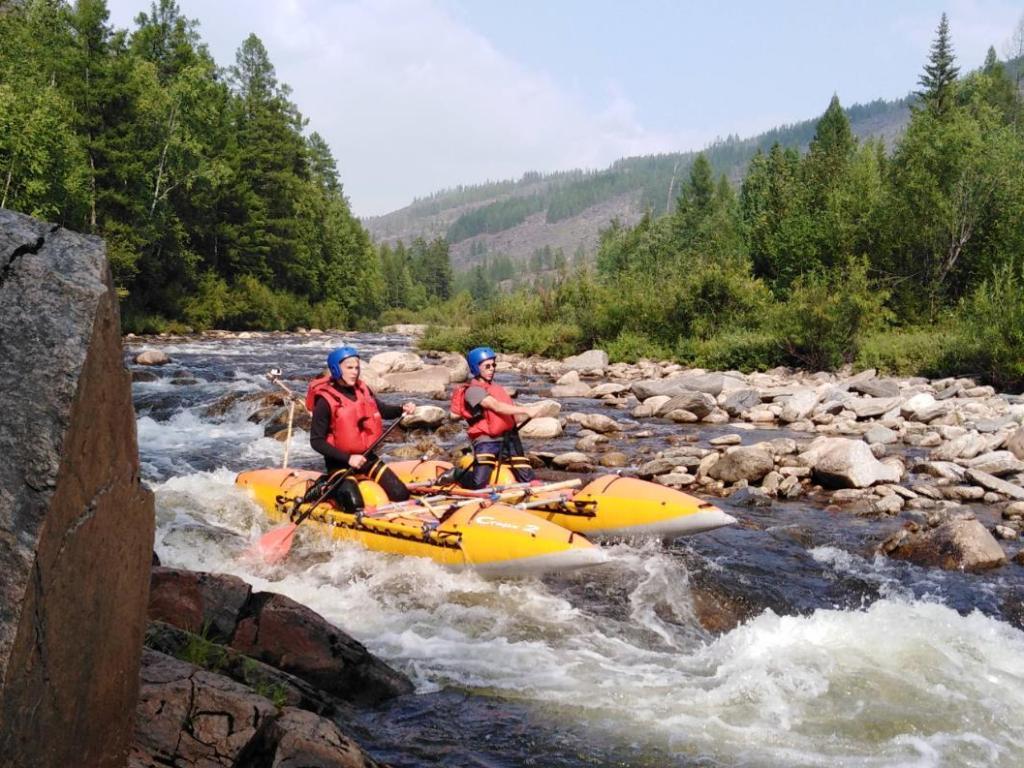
x=191 y=717
x=275 y=630
x=76 y=526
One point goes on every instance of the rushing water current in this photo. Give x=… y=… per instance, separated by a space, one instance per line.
x=847 y=659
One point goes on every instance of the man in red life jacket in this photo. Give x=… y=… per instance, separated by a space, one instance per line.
x=491 y=415
x=347 y=420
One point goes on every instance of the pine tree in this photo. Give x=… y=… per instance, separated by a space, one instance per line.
x=831 y=149
x=939 y=73
x=272 y=167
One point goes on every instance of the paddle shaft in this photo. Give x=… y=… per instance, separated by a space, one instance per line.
x=274 y=376
x=338 y=478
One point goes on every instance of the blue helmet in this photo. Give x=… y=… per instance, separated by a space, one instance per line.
x=334 y=360
x=477 y=356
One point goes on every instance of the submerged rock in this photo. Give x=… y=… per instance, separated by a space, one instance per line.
x=956 y=544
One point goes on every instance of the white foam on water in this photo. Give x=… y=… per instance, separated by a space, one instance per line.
x=899 y=683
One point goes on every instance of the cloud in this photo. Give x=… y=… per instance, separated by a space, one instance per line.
x=411 y=100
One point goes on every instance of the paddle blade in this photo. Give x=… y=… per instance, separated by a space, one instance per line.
x=275 y=544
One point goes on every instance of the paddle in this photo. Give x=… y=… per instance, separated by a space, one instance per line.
x=274 y=374
x=275 y=544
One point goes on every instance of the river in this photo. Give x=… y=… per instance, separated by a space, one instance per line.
x=848 y=658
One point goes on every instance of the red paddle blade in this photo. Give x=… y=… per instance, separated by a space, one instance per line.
x=275 y=544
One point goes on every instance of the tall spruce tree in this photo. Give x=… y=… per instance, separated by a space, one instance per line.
x=830 y=152
x=940 y=72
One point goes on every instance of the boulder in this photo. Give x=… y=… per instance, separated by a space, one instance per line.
x=596 y=422
x=188 y=716
x=945 y=470
x=541 y=427
x=579 y=389
x=844 y=463
x=1015 y=443
x=614 y=459
x=697 y=403
x=285 y=634
x=151 y=357
x=298 y=738
x=799 y=405
x=203 y=603
x=650 y=406
x=590 y=363
x=458 y=368
x=222 y=660
x=429 y=416
x=739 y=401
x=744 y=463
x=571 y=377
x=992 y=483
x=611 y=388
x=873 y=407
x=750 y=497
x=395 y=362
x=954 y=545
x=675 y=479
x=374 y=380
x=726 y=440
x=76 y=523
x=876 y=387
x=878 y=434
x=572 y=458
x=681 y=416
x=430 y=382
x=712 y=384
x=655 y=467
x=914 y=403
x=547 y=408
x=964 y=447
x=998 y=463
x=591 y=443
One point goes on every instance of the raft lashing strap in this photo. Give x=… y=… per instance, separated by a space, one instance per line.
x=379 y=526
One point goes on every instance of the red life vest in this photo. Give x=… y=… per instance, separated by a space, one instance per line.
x=489 y=423
x=355 y=424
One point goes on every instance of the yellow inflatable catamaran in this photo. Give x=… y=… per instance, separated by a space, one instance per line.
x=489 y=535
x=608 y=507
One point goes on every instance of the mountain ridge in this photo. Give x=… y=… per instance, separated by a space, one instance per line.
x=567 y=210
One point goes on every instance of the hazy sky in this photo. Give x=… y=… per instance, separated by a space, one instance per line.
x=419 y=95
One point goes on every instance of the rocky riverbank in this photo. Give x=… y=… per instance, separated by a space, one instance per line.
x=236 y=677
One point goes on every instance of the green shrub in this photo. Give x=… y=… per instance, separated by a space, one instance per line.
x=327 y=314
x=629 y=346
x=990 y=322
x=737 y=349
x=447 y=338
x=919 y=351
x=826 y=315
x=547 y=339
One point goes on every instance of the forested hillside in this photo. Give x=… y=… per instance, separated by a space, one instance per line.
x=217 y=205
x=566 y=211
